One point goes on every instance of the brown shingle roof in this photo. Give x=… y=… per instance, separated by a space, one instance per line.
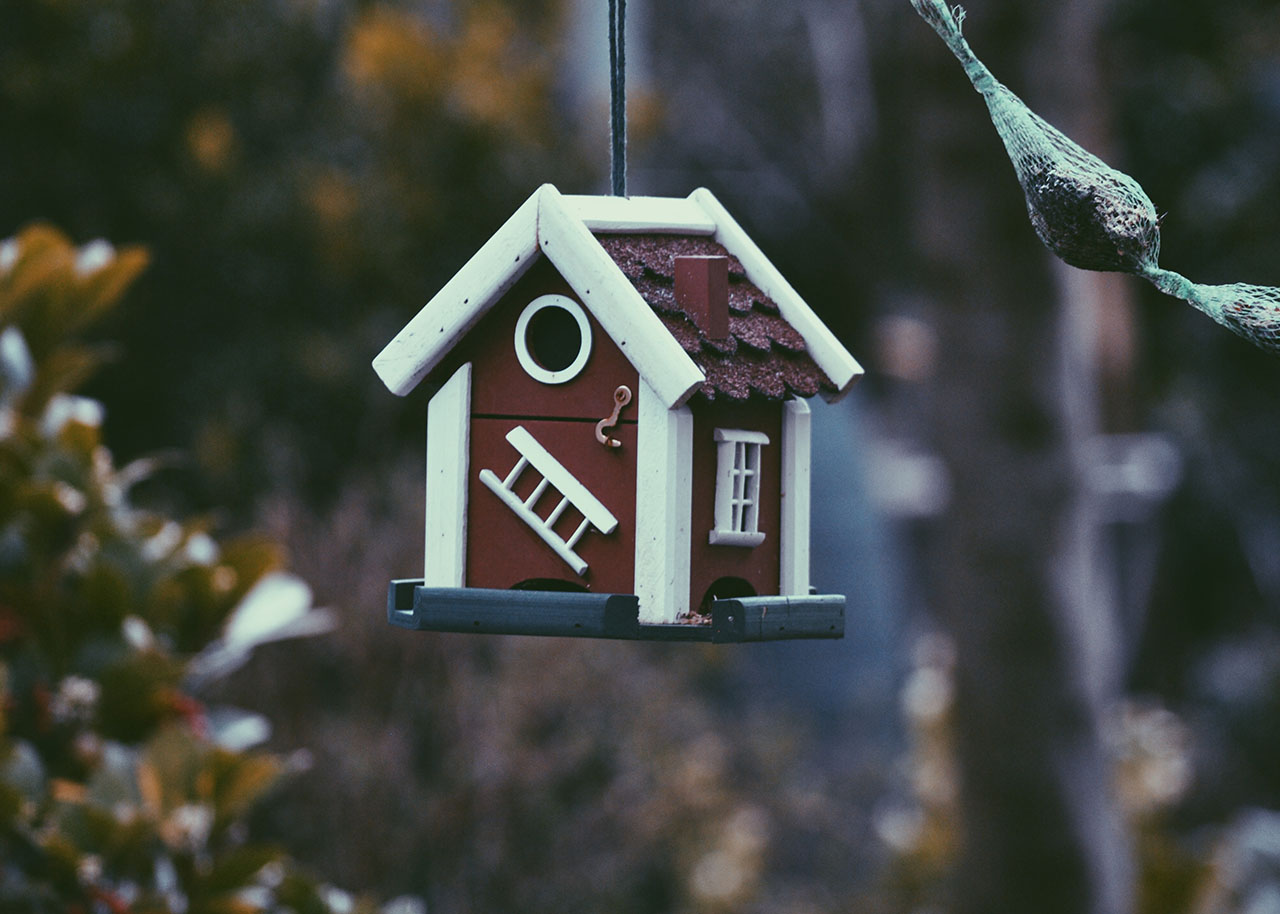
x=763 y=356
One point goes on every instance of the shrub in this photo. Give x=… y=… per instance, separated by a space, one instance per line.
x=119 y=790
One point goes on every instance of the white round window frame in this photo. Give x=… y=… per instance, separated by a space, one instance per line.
x=529 y=363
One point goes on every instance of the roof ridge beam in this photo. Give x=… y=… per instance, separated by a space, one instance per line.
x=676 y=215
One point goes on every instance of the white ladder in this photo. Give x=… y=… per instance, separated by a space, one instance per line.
x=572 y=492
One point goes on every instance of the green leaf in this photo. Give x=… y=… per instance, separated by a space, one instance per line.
x=236 y=869
x=240 y=780
x=138 y=695
x=103 y=288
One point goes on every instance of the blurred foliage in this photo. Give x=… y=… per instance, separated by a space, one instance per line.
x=1198 y=90
x=303 y=173
x=923 y=835
x=119 y=790
x=1230 y=867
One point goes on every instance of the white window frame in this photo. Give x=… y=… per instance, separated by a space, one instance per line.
x=529 y=363
x=737 y=507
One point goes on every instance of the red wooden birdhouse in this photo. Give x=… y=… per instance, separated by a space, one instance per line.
x=617 y=429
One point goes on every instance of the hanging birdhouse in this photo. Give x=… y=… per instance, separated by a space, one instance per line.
x=617 y=430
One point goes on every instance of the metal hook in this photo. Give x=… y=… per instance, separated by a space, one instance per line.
x=621 y=397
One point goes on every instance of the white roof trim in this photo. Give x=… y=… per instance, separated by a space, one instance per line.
x=640 y=214
x=562 y=227
x=841 y=367
x=455 y=309
x=614 y=301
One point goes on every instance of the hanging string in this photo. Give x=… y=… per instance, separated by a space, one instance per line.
x=618 y=96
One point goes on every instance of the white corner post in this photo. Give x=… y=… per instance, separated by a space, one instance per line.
x=796 y=454
x=448 y=445
x=664 y=507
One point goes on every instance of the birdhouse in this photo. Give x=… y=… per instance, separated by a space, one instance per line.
x=618 y=438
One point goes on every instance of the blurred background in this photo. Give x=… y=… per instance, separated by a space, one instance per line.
x=1053 y=503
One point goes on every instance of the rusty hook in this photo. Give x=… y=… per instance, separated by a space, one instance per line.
x=621 y=397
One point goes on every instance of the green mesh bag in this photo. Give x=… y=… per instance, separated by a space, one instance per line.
x=1086 y=212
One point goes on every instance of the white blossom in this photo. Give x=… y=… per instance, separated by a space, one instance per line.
x=75 y=701
x=93 y=256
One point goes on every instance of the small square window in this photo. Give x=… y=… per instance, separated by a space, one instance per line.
x=737 y=520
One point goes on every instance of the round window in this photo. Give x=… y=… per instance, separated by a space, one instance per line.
x=553 y=339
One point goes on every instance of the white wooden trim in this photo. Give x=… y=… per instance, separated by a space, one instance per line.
x=525 y=357
x=747 y=435
x=614 y=301
x=797 y=453
x=664 y=507
x=641 y=214
x=448 y=443
x=734 y=538
x=465 y=298
x=841 y=367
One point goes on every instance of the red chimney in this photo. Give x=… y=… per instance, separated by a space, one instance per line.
x=702 y=292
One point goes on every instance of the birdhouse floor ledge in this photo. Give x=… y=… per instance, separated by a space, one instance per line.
x=414 y=606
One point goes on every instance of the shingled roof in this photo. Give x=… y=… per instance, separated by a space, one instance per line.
x=763 y=356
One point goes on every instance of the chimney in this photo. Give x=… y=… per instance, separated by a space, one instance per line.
x=702 y=292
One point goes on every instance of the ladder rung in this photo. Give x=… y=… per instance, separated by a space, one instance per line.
x=577 y=534
x=557 y=511
x=515 y=471
x=537 y=493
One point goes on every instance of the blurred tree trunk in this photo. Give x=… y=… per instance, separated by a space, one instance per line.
x=1015 y=393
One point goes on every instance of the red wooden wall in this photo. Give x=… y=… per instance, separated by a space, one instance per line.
x=757 y=565
x=501 y=549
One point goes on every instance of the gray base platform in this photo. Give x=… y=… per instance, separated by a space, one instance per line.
x=613 y=615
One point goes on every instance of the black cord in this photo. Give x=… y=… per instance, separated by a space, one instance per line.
x=618 y=96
